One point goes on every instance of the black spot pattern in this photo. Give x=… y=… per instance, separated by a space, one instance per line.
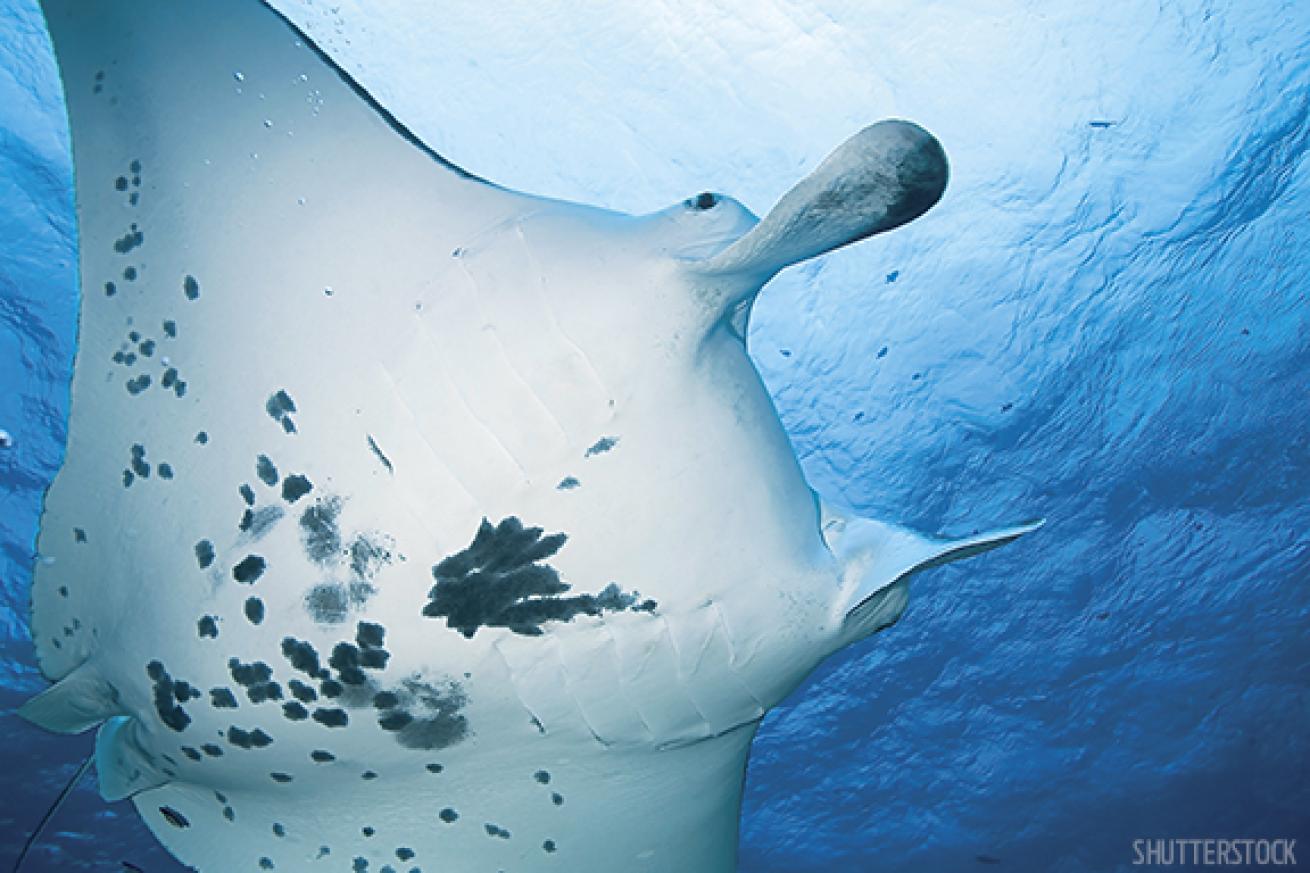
x=249 y=569
x=204 y=554
x=295 y=487
x=500 y=580
x=266 y=470
x=254 y=610
x=222 y=698
x=207 y=626
x=602 y=445
x=168 y=694
x=319 y=532
x=255 y=739
x=173 y=817
x=280 y=407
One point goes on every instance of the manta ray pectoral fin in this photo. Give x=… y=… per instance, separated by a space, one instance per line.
x=886 y=175
x=79 y=701
x=878 y=559
x=122 y=762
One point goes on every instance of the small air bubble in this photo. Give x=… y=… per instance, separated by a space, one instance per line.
x=300 y=201
x=239 y=76
x=268 y=122
x=6 y=441
x=328 y=291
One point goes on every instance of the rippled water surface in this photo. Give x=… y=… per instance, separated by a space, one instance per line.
x=1106 y=322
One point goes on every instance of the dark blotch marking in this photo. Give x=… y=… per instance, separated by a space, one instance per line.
x=278 y=830
x=212 y=750
x=301 y=691
x=120 y=184
x=367 y=557
x=170 y=328
x=173 y=817
x=204 y=554
x=500 y=581
x=568 y=483
x=247 y=494
x=255 y=739
x=434 y=768
x=265 y=863
x=328 y=603
x=129 y=273
x=377 y=452
x=249 y=569
x=222 y=698
x=557 y=798
x=79 y=535
x=448 y=815
x=279 y=407
x=110 y=289
x=191 y=288
x=266 y=470
x=254 y=610
x=542 y=776
x=319 y=533
x=548 y=846
x=207 y=626
x=331 y=717
x=368 y=775
x=303 y=657
x=321 y=757
x=427 y=716
x=404 y=853
x=137 y=385
x=370 y=635
x=229 y=813
x=167 y=697
x=602 y=445
x=295 y=487
x=295 y=711
x=193 y=754
x=496 y=831
x=165 y=470
x=202 y=438
x=280 y=777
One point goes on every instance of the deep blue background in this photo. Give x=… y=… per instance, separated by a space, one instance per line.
x=1107 y=324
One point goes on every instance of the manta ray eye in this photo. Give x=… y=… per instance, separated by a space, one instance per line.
x=704 y=200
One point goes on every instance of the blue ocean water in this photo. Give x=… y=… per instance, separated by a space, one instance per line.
x=1106 y=323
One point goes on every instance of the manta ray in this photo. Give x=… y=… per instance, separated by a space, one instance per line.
x=410 y=523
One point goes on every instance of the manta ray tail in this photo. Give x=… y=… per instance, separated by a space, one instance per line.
x=878 y=560
x=50 y=813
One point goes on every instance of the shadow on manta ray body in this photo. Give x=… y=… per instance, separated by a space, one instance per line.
x=412 y=523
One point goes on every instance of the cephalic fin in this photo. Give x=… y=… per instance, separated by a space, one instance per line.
x=77 y=702
x=878 y=559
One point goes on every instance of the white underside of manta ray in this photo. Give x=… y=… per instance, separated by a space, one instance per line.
x=410 y=523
